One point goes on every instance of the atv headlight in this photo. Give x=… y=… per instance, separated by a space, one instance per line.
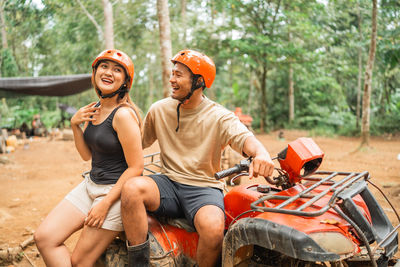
x=333 y=242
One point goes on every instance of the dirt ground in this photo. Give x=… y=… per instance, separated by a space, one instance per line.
x=38 y=175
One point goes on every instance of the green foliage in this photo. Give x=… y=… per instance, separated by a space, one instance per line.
x=9 y=67
x=390 y=121
x=16 y=115
x=252 y=43
x=51 y=118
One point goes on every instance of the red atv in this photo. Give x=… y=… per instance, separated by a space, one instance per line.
x=304 y=219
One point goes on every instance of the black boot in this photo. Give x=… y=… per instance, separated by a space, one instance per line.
x=139 y=255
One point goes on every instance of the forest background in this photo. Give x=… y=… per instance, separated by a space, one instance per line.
x=289 y=64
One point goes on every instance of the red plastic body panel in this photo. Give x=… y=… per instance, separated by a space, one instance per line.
x=179 y=240
x=299 y=152
x=312 y=195
x=238 y=200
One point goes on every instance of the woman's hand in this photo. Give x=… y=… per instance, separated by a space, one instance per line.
x=84 y=114
x=97 y=214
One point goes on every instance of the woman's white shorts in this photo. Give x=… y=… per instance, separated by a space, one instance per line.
x=87 y=194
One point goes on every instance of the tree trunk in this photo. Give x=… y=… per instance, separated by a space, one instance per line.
x=108 y=24
x=359 y=80
x=3 y=26
x=183 y=9
x=385 y=94
x=165 y=43
x=365 y=134
x=250 y=101
x=212 y=6
x=151 y=86
x=291 y=94
x=91 y=18
x=263 y=121
x=3 y=32
x=290 y=74
x=183 y=19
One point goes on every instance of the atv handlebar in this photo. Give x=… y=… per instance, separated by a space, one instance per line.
x=242 y=166
x=242 y=169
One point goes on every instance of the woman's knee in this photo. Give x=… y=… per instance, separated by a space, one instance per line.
x=42 y=237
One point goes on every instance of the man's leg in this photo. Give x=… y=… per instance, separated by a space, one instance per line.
x=209 y=222
x=138 y=195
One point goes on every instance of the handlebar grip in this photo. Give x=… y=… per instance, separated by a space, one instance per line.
x=224 y=173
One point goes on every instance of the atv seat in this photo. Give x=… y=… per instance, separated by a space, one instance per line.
x=181 y=223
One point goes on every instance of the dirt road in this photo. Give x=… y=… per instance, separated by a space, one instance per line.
x=37 y=177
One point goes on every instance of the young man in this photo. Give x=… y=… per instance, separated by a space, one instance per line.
x=192 y=131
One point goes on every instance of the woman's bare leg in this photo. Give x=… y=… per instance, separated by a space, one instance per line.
x=91 y=244
x=61 y=223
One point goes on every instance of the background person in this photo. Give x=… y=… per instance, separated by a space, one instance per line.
x=111 y=139
x=191 y=131
x=38 y=128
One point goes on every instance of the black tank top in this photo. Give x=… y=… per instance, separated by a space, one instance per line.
x=108 y=160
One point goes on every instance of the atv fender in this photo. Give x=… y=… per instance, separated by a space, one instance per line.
x=273 y=236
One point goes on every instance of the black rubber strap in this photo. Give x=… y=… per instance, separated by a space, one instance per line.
x=121 y=91
x=178 y=114
x=195 y=86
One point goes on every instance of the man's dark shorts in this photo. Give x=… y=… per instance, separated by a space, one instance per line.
x=183 y=201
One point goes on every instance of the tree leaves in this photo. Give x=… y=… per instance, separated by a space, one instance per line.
x=320 y=40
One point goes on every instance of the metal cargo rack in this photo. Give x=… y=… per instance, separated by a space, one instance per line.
x=343 y=186
x=349 y=178
x=152 y=160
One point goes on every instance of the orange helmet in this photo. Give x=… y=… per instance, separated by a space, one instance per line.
x=198 y=63
x=119 y=57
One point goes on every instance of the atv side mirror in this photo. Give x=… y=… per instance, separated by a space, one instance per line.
x=301 y=158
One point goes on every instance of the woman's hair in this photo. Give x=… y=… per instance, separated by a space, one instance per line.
x=130 y=103
x=135 y=108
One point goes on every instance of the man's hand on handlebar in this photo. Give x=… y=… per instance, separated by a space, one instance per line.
x=261 y=165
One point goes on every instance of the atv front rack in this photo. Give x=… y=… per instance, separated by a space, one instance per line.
x=350 y=178
x=343 y=191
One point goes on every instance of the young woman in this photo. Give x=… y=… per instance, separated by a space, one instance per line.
x=111 y=138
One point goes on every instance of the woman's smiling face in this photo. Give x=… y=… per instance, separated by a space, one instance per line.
x=110 y=76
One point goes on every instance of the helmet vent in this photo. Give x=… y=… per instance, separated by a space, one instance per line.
x=182 y=54
x=119 y=54
x=109 y=51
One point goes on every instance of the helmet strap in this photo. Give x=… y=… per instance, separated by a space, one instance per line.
x=121 y=91
x=194 y=87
